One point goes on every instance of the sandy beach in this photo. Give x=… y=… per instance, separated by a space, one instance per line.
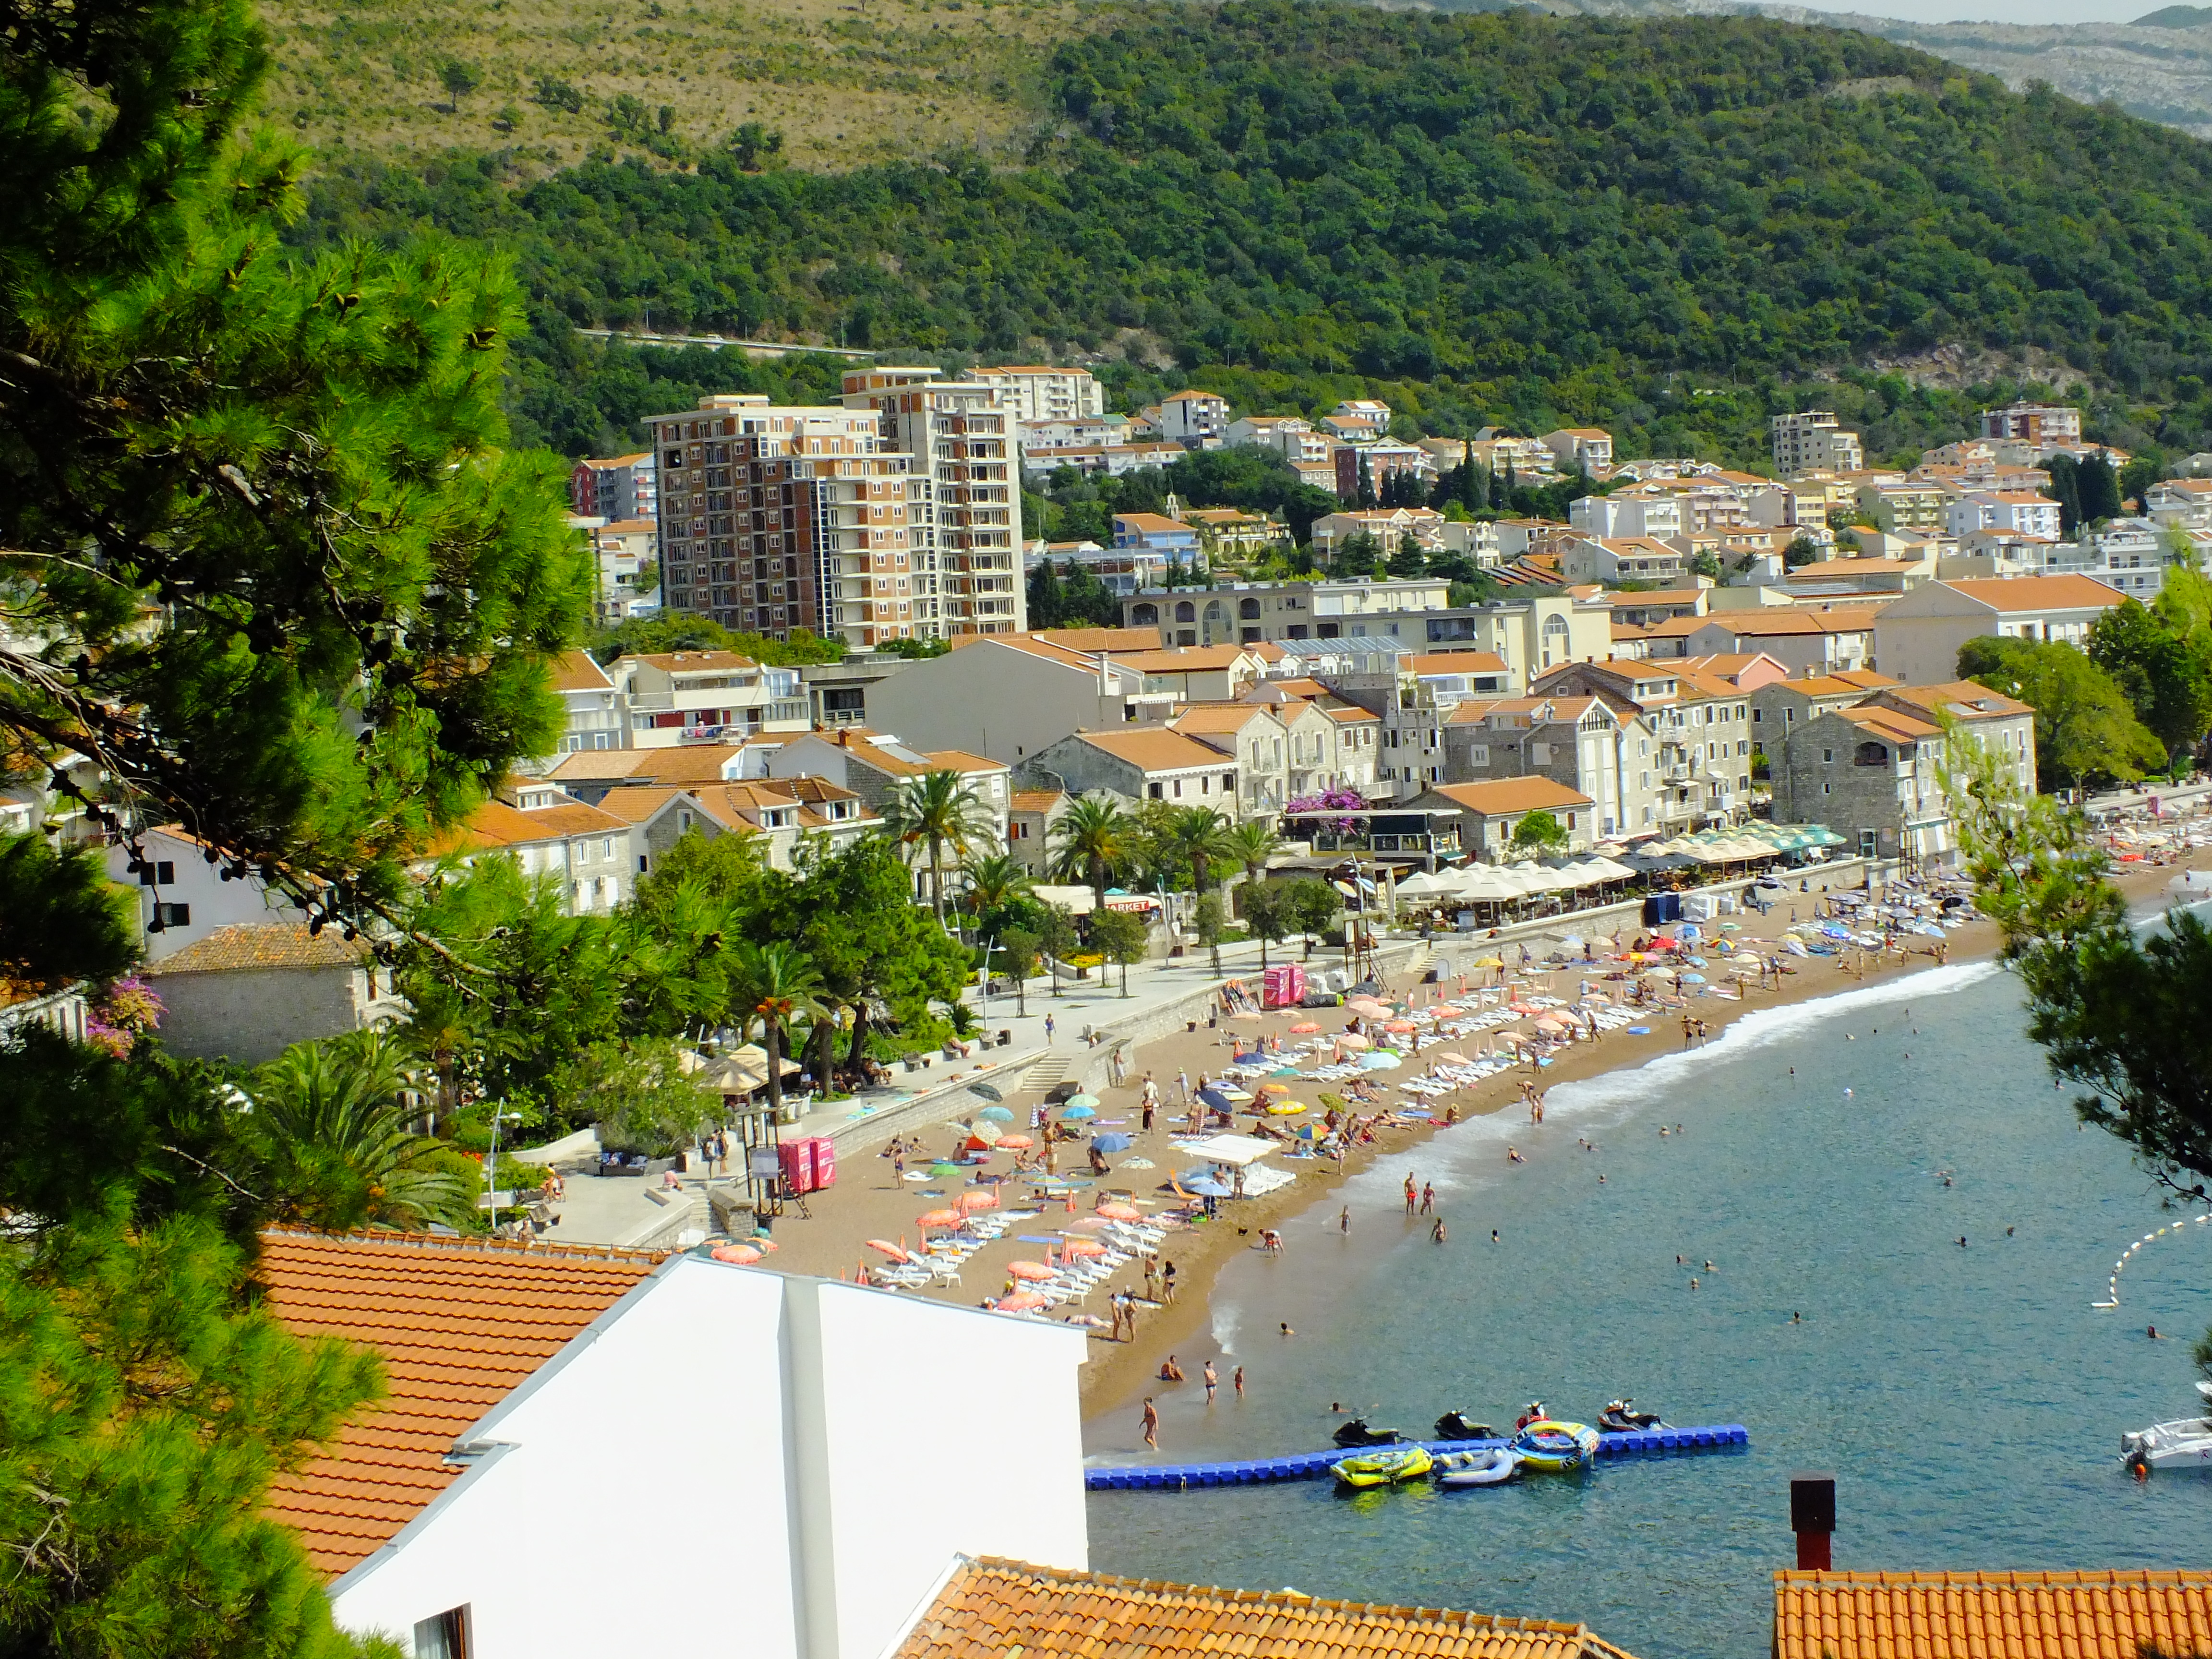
x=875 y=1201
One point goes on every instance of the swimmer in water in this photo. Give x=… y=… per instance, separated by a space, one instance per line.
x=1847 y=1093
x=1693 y=1283
x=1962 y=1241
x=1796 y=1319
x=1709 y=1267
x=1493 y=1235
x=1287 y=1330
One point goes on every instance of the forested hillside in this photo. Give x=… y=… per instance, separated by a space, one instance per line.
x=1506 y=217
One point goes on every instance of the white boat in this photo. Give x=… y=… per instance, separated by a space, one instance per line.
x=1477 y=1468
x=2183 y=1443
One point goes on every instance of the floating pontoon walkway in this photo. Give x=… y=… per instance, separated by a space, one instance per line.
x=1312 y=1466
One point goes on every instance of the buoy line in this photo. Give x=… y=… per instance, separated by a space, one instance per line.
x=2112 y=1289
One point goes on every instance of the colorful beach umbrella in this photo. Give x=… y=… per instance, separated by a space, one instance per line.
x=1275 y=1088
x=935 y=1218
x=1082 y=1247
x=1034 y=1272
x=984 y=1130
x=1119 y=1212
x=1381 y=1060
x=743 y=1255
x=996 y=1115
x=1082 y=1100
x=985 y=1091
x=1305 y=1028
x=1015 y=1143
x=983 y=1198
x=1019 y=1302
x=1080 y=1112
x=883 y=1246
x=944 y=1169
x=1353 y=1040
x=1110 y=1142
x=1285 y=1108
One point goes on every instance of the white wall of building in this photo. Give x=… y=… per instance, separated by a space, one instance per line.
x=734 y=1462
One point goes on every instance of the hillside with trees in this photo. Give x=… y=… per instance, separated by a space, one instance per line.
x=1654 y=225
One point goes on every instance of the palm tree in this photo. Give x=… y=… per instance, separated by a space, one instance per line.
x=995 y=882
x=774 y=984
x=1198 y=836
x=330 y=1117
x=936 y=810
x=1093 y=837
x=1251 y=844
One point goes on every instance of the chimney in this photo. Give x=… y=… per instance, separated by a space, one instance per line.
x=1812 y=1516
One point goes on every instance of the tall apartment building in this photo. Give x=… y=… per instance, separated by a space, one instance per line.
x=777 y=517
x=965 y=525
x=1813 y=442
x=1032 y=394
x=2033 y=424
x=618 y=488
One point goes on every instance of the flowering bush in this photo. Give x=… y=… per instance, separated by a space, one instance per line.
x=1338 y=799
x=130 y=1011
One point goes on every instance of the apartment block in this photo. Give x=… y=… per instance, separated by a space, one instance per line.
x=1811 y=441
x=2022 y=512
x=1196 y=419
x=779 y=517
x=1029 y=392
x=2033 y=424
x=965 y=518
x=620 y=487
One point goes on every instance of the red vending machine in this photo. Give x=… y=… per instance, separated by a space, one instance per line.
x=798 y=1160
x=825 y=1162
x=1282 y=986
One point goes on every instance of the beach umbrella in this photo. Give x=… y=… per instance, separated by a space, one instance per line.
x=1456 y=1059
x=969 y=1203
x=1305 y=1028
x=887 y=1249
x=1110 y=1142
x=1353 y=1040
x=1693 y=978
x=1082 y=1100
x=1015 y=1143
x=983 y=1130
x=1368 y=1007
x=1286 y=1109
x=1275 y=1088
x=941 y=1168
x=1214 y=1099
x=1381 y=1060
x=1080 y=1112
x=1090 y=1224
x=1119 y=1212
x=934 y=1219
x=1019 y=1302
x=1491 y=962
x=1548 y=1022
x=985 y=1091
x=1401 y=1026
x=1251 y=1058
x=1444 y=1010
x=1082 y=1247
x=995 y=1114
x=1036 y=1271
x=1658 y=973
x=743 y=1255
x=978 y=1144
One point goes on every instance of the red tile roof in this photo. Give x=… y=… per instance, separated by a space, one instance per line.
x=459 y=1323
x=992 y=1608
x=249 y=945
x=1501 y=795
x=2118 y=1614
x=2066 y=593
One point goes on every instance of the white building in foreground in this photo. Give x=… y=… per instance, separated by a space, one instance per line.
x=687 y=1458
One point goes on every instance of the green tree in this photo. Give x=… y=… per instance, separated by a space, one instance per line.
x=1355 y=556
x=1020 y=947
x=930 y=814
x=1252 y=843
x=2066 y=490
x=755 y=148
x=1268 y=912
x=639 y=1097
x=1122 y=937
x=332 y=1122
x=2098 y=488
x=2163 y=667
x=2144 y=468
x=995 y=883
x=1409 y=558
x=458 y=80
x=1092 y=839
x=61 y=918
x=1315 y=906
x=773 y=985
x=1056 y=936
x=147 y=1406
x=2084 y=732
x=1801 y=551
x=1209 y=920
x=1198 y=837
x=555 y=93
x=1539 y=831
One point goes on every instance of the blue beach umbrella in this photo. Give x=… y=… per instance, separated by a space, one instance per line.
x=1080 y=1111
x=996 y=1114
x=1215 y=1099
x=1081 y=1100
x=1111 y=1141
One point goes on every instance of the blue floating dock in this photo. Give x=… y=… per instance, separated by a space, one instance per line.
x=1312 y=1466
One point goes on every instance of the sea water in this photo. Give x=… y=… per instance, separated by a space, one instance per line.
x=1969 y=1398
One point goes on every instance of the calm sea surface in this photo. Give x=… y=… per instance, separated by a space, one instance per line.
x=1970 y=1399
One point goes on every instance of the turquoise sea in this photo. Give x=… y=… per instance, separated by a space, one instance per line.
x=1970 y=1399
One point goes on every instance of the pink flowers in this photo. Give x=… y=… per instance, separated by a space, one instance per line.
x=129 y=1010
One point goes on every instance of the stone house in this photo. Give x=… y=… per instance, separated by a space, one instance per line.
x=247 y=992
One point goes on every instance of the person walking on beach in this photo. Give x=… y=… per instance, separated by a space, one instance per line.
x=1237 y=1381
x=1182 y=1086
x=1344 y=1219
x=1048 y=1030
x=1151 y=1424
x=1167 y=1282
x=1428 y=1196
x=1409 y=1194
x=1212 y=1381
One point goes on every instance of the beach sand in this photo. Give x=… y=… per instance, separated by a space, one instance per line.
x=871 y=1202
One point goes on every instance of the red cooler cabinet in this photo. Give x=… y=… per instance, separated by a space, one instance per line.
x=798 y=1159
x=825 y=1162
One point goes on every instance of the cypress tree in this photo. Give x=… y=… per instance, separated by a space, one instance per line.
x=2098 y=489
x=2065 y=489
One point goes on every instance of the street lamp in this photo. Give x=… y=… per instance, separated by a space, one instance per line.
x=491 y=1163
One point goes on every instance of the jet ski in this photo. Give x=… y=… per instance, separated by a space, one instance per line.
x=1477 y=1468
x=1384 y=1468
x=1357 y=1433
x=1618 y=1418
x=1454 y=1425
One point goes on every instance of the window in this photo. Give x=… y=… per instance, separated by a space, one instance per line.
x=1870 y=754
x=1757 y=716
x=445 y=1637
x=1178 y=788
x=1156 y=790
x=171 y=915
x=1229 y=783
x=1186 y=611
x=607 y=848
x=1828 y=757
x=159 y=873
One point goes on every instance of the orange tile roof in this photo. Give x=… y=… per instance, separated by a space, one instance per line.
x=2112 y=1614
x=249 y=945
x=1889 y=723
x=1218 y=717
x=459 y=1324
x=690 y=764
x=575 y=671
x=1188 y=658
x=1511 y=795
x=636 y=805
x=1102 y=639
x=1965 y=700
x=1457 y=662
x=959 y=760
x=496 y=824
x=1042 y=801
x=1154 y=749
x=990 y=1609
x=2037 y=593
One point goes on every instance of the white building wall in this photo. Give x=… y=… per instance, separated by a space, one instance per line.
x=735 y=1463
x=197 y=884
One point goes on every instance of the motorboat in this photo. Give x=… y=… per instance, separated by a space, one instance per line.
x=1550 y=1445
x=1493 y=1467
x=1388 y=1467
x=1618 y=1418
x=2183 y=1443
x=1357 y=1433
x=1454 y=1425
